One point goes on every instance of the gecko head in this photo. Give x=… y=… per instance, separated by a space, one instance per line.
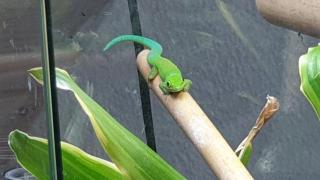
x=174 y=83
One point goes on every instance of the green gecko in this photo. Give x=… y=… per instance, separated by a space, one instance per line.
x=169 y=73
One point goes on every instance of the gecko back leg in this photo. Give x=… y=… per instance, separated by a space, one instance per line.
x=153 y=73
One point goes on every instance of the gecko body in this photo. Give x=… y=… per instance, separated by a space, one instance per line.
x=170 y=75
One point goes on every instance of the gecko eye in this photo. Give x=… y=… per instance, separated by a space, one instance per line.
x=168 y=84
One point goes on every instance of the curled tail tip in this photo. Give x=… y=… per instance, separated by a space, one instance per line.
x=106 y=48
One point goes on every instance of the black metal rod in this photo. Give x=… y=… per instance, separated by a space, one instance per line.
x=50 y=92
x=144 y=89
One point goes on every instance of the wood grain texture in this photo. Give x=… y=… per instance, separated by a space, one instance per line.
x=299 y=15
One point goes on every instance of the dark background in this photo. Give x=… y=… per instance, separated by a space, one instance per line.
x=232 y=55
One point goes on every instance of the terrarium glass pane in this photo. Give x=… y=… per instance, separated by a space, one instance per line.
x=21 y=99
x=80 y=31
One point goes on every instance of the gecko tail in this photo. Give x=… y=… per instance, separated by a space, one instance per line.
x=151 y=44
x=108 y=46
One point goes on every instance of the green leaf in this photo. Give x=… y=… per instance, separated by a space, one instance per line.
x=309 y=70
x=128 y=152
x=32 y=154
x=245 y=154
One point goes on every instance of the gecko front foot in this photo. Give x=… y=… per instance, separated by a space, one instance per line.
x=163 y=88
x=187 y=84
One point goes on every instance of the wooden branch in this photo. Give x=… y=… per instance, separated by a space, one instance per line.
x=199 y=129
x=299 y=15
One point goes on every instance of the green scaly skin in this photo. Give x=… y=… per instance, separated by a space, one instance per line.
x=169 y=73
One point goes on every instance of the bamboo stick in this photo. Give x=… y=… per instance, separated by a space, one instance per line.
x=299 y=15
x=199 y=129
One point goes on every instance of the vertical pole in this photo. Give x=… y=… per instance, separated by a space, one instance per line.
x=144 y=89
x=50 y=93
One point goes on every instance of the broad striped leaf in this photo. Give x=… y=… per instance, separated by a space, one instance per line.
x=32 y=154
x=309 y=69
x=129 y=153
